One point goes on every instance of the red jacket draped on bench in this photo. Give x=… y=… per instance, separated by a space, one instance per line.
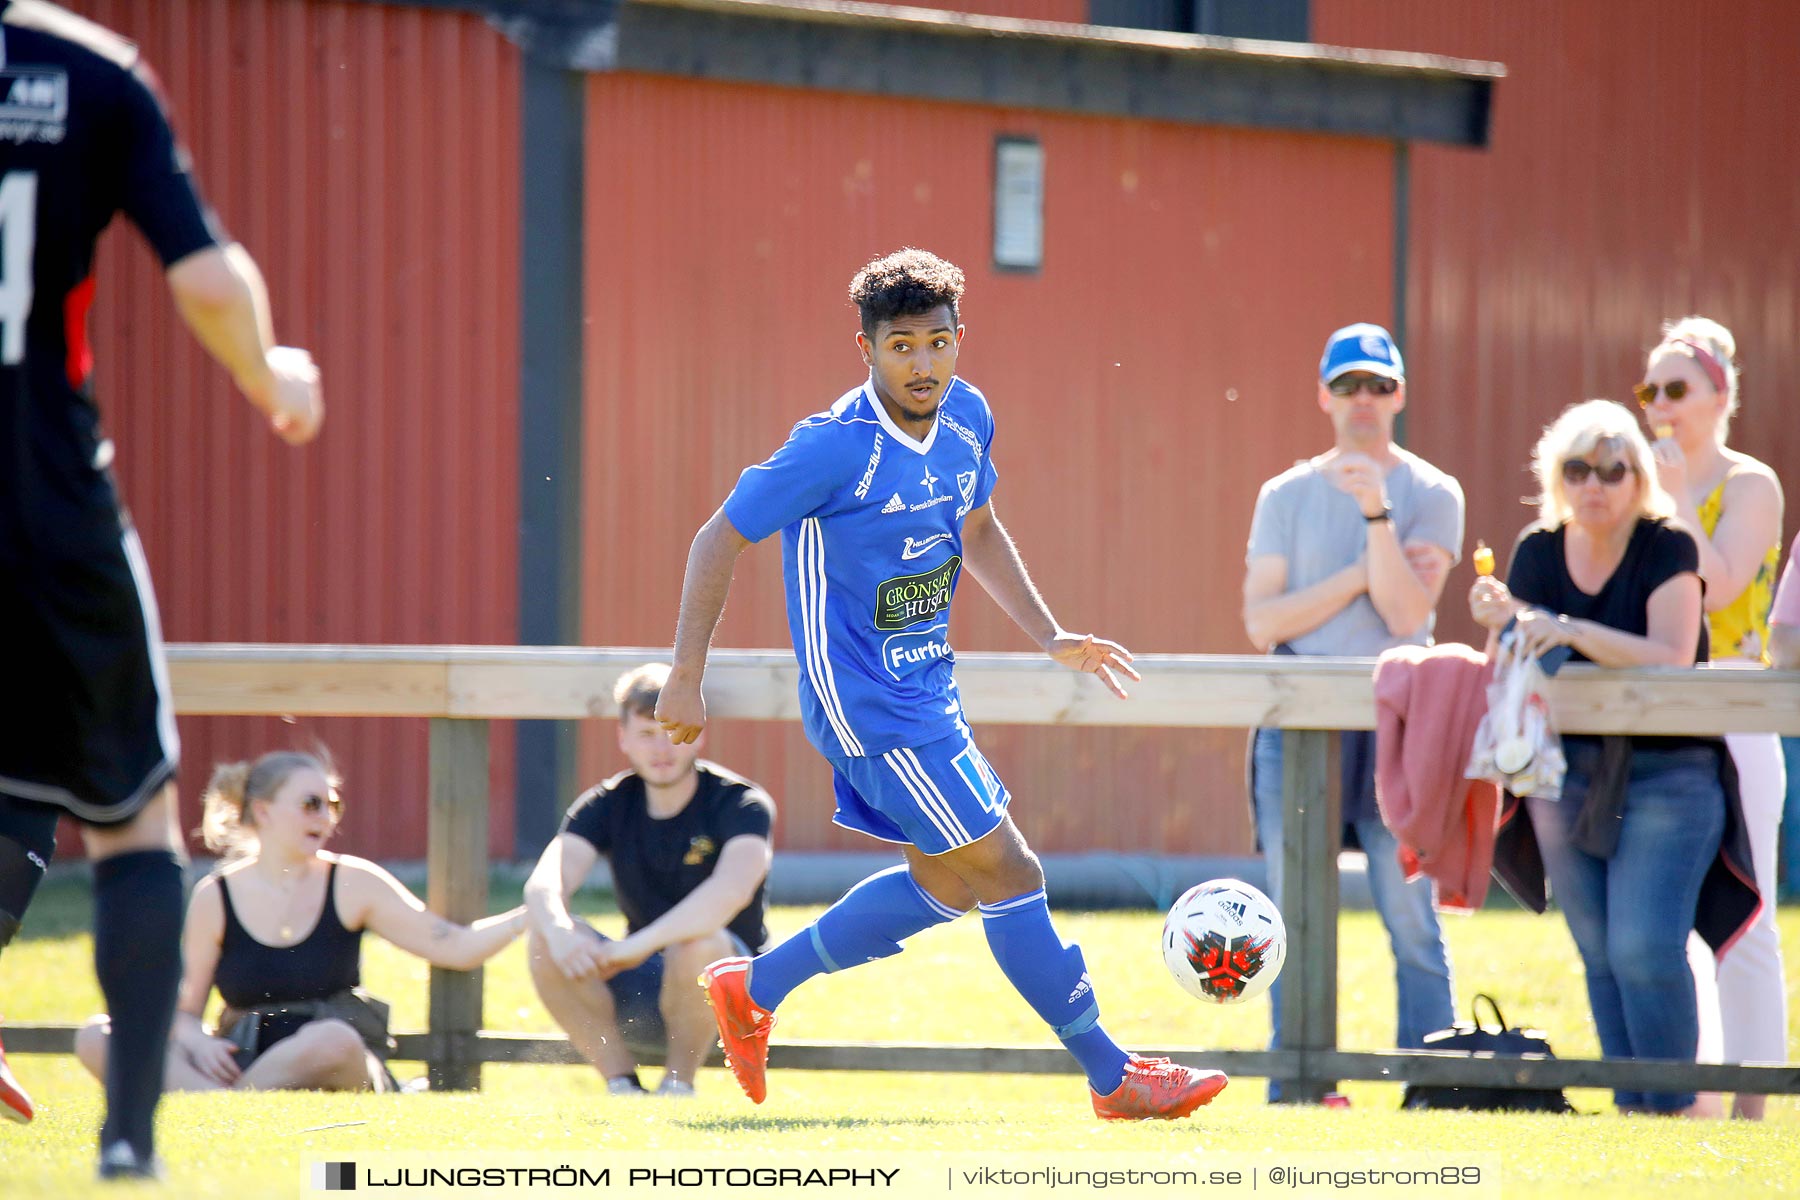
x=1428 y=701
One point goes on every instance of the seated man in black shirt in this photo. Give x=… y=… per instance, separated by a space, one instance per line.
x=688 y=843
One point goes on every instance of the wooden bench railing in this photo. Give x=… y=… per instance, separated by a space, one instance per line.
x=460 y=688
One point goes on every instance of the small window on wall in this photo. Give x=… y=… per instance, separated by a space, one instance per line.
x=1273 y=20
x=1018 y=204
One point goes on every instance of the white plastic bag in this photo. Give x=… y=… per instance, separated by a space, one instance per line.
x=1515 y=745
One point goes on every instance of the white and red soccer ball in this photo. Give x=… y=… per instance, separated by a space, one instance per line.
x=1224 y=941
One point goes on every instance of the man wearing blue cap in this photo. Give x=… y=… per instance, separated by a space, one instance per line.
x=1348 y=555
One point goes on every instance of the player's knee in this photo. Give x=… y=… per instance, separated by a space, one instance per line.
x=1023 y=870
x=1012 y=869
x=1015 y=848
x=1006 y=847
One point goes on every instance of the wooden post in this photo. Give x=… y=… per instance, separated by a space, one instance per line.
x=1312 y=831
x=457 y=889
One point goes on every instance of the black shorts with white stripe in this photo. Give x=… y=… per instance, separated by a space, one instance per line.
x=87 y=723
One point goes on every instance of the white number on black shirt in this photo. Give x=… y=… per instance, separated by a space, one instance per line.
x=18 y=238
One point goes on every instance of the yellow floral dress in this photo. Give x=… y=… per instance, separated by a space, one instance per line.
x=1741 y=628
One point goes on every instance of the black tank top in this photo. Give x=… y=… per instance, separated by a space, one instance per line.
x=253 y=973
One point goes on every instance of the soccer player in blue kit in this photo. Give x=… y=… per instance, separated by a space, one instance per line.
x=881 y=501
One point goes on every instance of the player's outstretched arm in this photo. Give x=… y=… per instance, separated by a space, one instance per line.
x=993 y=559
x=221 y=296
x=681 y=710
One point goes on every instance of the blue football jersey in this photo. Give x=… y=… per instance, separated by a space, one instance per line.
x=871 y=550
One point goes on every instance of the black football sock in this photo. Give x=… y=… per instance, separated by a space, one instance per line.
x=137 y=955
x=27 y=840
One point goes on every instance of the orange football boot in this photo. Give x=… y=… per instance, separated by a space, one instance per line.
x=743 y=1027
x=15 y=1105
x=1157 y=1089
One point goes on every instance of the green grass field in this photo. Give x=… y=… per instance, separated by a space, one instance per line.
x=944 y=988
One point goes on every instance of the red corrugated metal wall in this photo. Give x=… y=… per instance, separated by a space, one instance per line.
x=368 y=158
x=1642 y=167
x=1158 y=369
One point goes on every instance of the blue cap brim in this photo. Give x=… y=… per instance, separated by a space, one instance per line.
x=1385 y=370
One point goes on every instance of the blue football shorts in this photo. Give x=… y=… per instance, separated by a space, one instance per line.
x=937 y=797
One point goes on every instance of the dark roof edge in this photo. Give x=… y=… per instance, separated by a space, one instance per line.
x=916 y=53
x=900 y=16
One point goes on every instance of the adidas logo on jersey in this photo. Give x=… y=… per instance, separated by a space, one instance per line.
x=894 y=505
x=1085 y=987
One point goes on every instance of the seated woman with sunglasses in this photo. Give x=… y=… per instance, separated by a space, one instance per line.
x=1732 y=504
x=280 y=923
x=1632 y=849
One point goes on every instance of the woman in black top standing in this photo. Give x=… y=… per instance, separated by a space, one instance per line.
x=281 y=923
x=1607 y=573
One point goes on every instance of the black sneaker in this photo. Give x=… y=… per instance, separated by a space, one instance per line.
x=120 y=1161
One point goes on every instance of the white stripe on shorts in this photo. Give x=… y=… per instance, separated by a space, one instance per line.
x=931 y=801
x=919 y=772
x=159 y=666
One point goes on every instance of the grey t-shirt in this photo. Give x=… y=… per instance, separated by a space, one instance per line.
x=1302 y=517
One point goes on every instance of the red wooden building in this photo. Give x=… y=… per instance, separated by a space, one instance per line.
x=566 y=276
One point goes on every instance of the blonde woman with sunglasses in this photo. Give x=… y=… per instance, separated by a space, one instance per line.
x=278 y=927
x=1733 y=505
x=1641 y=847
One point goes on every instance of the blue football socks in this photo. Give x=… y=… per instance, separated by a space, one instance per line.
x=1053 y=978
x=870 y=922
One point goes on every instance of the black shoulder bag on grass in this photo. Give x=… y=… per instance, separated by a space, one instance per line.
x=1476 y=1038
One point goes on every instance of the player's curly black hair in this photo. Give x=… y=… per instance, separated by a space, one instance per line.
x=904 y=284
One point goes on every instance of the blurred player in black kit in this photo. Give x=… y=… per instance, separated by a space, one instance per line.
x=87 y=725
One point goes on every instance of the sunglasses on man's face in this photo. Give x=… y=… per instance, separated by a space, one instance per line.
x=1575 y=472
x=1376 y=385
x=1676 y=390
x=316 y=803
